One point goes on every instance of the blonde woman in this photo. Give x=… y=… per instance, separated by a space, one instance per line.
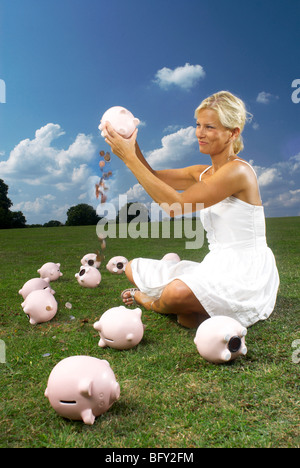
x=238 y=277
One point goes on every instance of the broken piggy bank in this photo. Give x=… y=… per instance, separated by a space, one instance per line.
x=88 y=277
x=33 y=285
x=91 y=259
x=50 y=271
x=117 y=265
x=121 y=119
x=221 y=339
x=120 y=328
x=40 y=306
x=82 y=388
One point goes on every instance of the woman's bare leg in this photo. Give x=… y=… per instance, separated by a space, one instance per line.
x=177 y=298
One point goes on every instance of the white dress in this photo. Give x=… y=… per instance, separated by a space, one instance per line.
x=237 y=278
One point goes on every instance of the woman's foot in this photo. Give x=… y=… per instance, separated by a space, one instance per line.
x=135 y=296
x=128 y=296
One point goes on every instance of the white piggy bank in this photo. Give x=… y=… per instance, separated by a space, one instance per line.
x=221 y=339
x=33 y=285
x=120 y=328
x=82 y=388
x=91 y=260
x=50 y=271
x=117 y=265
x=40 y=306
x=121 y=119
x=88 y=277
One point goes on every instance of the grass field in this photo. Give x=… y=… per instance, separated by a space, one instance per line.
x=170 y=396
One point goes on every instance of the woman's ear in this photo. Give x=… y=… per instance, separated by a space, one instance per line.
x=235 y=133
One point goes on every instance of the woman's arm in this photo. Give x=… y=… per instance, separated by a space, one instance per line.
x=178 y=179
x=228 y=180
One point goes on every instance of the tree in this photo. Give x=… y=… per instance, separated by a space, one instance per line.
x=133 y=211
x=5 y=202
x=53 y=223
x=9 y=219
x=82 y=215
x=18 y=220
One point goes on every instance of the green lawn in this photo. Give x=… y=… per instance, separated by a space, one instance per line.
x=170 y=396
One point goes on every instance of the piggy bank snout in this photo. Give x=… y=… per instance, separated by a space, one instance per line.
x=234 y=344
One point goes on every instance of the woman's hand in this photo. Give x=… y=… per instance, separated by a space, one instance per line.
x=124 y=148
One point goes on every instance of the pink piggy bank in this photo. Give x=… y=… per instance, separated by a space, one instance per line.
x=33 y=285
x=121 y=119
x=117 y=265
x=171 y=257
x=221 y=339
x=91 y=259
x=88 y=277
x=82 y=388
x=50 y=271
x=40 y=306
x=120 y=328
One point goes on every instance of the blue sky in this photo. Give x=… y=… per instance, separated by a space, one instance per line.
x=64 y=62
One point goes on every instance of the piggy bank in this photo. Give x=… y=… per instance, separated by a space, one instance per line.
x=91 y=259
x=82 y=388
x=121 y=119
x=221 y=339
x=88 y=277
x=171 y=257
x=40 y=306
x=117 y=265
x=51 y=271
x=33 y=285
x=120 y=328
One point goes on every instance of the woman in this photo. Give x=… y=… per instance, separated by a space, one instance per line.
x=238 y=277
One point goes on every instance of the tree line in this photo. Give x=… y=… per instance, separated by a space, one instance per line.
x=79 y=215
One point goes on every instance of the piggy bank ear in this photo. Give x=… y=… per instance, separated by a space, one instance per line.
x=97 y=326
x=85 y=387
x=138 y=312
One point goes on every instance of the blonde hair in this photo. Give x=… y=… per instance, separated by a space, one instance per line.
x=231 y=111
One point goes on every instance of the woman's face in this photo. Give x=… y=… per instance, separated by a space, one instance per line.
x=213 y=138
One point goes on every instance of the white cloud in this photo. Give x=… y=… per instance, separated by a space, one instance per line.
x=35 y=166
x=268 y=176
x=37 y=160
x=175 y=147
x=279 y=187
x=136 y=193
x=185 y=77
x=265 y=98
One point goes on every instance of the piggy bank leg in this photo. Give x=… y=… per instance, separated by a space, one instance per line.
x=88 y=417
